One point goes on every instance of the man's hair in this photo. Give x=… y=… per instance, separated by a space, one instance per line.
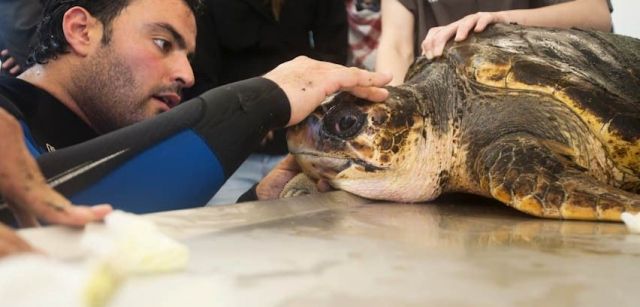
x=51 y=41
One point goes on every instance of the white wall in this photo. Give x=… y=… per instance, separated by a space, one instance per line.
x=626 y=17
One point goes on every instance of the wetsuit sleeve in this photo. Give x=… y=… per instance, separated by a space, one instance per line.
x=176 y=160
x=249 y=195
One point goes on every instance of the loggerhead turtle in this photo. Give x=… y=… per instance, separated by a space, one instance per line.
x=545 y=121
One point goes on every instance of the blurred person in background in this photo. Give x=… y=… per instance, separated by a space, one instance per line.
x=244 y=39
x=18 y=24
x=364 y=32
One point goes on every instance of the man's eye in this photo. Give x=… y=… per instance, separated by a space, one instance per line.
x=164 y=45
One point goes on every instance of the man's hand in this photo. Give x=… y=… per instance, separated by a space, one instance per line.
x=272 y=185
x=25 y=190
x=437 y=37
x=36 y=200
x=307 y=83
x=11 y=243
x=10 y=64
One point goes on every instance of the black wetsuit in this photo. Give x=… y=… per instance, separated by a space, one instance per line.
x=176 y=160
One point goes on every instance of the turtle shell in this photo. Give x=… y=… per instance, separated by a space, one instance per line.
x=595 y=74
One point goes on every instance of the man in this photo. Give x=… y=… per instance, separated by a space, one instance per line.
x=105 y=65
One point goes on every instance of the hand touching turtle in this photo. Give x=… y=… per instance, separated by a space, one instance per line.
x=437 y=37
x=307 y=82
x=584 y=14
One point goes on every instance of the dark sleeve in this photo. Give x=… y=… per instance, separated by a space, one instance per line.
x=249 y=195
x=330 y=32
x=176 y=160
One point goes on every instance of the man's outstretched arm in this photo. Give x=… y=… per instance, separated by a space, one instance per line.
x=180 y=158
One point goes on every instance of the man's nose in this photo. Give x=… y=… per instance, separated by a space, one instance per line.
x=182 y=72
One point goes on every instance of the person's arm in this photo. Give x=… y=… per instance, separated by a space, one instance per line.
x=330 y=32
x=180 y=158
x=395 y=50
x=584 y=14
x=175 y=160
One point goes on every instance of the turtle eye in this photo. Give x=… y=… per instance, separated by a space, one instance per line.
x=344 y=122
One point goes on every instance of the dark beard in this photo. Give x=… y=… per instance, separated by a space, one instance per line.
x=106 y=92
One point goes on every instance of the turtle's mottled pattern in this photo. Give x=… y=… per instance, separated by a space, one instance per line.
x=546 y=121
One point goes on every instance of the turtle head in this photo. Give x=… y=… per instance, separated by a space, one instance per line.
x=372 y=149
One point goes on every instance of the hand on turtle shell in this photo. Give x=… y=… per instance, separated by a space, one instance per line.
x=25 y=190
x=307 y=83
x=9 y=63
x=437 y=37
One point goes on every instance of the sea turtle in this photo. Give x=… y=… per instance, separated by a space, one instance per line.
x=546 y=121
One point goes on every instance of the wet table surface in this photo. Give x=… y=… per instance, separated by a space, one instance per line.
x=336 y=249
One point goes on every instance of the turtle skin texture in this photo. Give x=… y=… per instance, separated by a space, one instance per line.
x=546 y=121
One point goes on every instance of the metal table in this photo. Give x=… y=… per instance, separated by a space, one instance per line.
x=336 y=249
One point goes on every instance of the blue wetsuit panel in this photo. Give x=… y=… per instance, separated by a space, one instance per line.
x=29 y=141
x=177 y=173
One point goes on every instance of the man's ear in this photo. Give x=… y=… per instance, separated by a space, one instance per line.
x=81 y=30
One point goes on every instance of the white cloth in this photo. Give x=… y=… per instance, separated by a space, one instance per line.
x=126 y=245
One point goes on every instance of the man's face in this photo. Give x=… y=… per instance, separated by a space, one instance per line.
x=141 y=71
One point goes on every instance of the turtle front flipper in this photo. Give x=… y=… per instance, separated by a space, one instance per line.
x=299 y=185
x=520 y=171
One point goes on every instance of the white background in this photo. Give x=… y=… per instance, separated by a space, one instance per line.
x=626 y=17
